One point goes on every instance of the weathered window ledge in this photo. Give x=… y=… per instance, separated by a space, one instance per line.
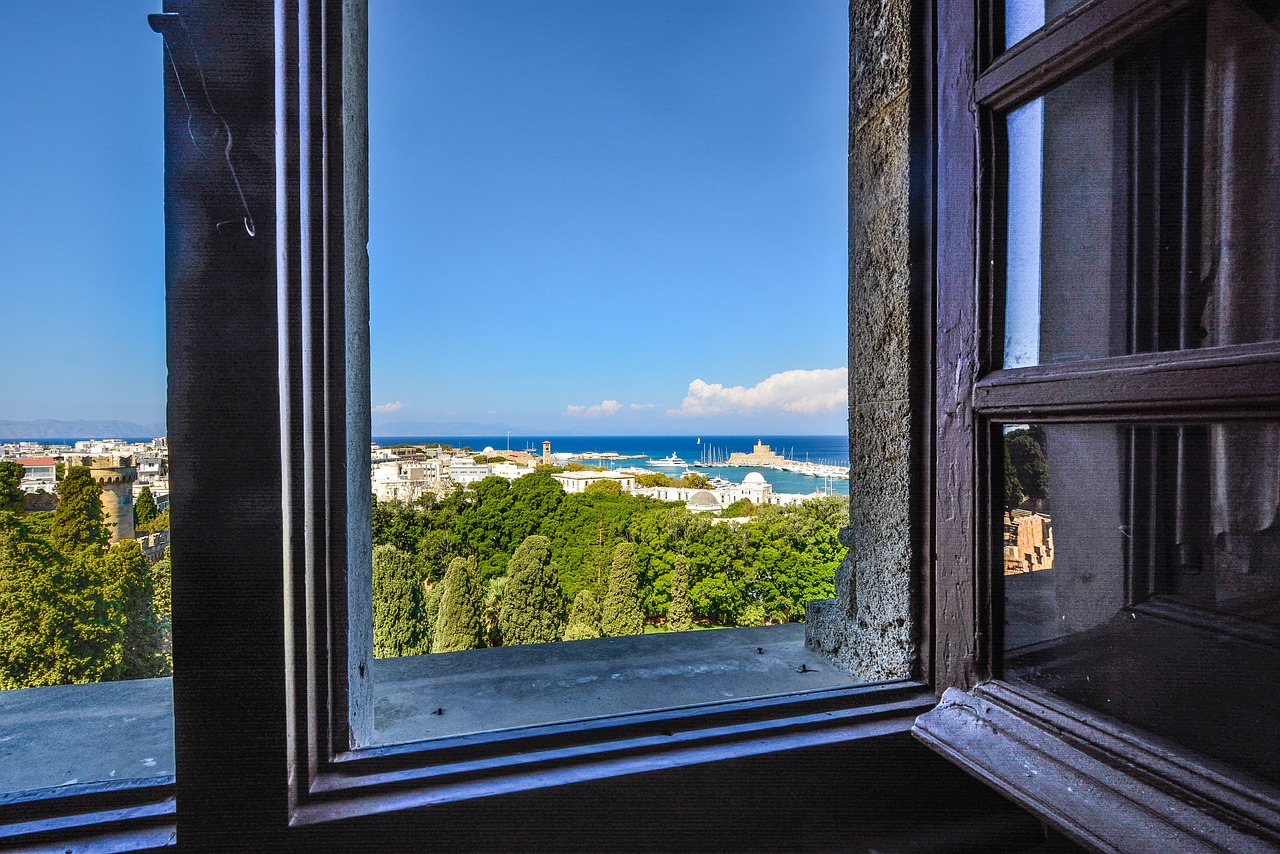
x=72 y=735
x=514 y=686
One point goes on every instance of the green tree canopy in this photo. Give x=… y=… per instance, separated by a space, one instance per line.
x=11 y=497
x=144 y=509
x=400 y=625
x=680 y=613
x=459 y=625
x=584 y=617
x=1027 y=452
x=1013 y=495
x=693 y=480
x=752 y=615
x=55 y=627
x=604 y=487
x=127 y=589
x=532 y=607
x=620 y=614
x=77 y=521
x=162 y=606
x=741 y=507
x=158 y=522
x=431 y=607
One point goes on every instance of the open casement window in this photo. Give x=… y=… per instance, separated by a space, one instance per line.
x=1108 y=354
x=269 y=428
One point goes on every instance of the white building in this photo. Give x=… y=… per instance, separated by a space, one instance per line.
x=511 y=471
x=397 y=480
x=754 y=488
x=465 y=470
x=40 y=474
x=578 y=481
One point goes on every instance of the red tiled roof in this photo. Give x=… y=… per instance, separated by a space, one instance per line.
x=38 y=461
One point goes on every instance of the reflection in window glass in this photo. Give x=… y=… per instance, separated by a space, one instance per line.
x=84 y=569
x=1131 y=226
x=1024 y=17
x=1142 y=578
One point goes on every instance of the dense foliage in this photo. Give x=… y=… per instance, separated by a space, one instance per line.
x=78 y=520
x=71 y=609
x=460 y=623
x=1026 y=460
x=764 y=568
x=620 y=614
x=144 y=509
x=11 y=498
x=680 y=612
x=584 y=617
x=532 y=609
x=400 y=625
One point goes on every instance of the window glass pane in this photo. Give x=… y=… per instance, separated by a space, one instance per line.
x=608 y=241
x=1141 y=198
x=1142 y=578
x=1024 y=17
x=85 y=655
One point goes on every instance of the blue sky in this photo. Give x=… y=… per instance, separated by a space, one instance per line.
x=589 y=217
x=82 y=224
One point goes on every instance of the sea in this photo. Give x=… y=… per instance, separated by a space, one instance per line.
x=833 y=450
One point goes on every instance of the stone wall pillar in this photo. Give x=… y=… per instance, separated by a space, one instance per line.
x=868 y=628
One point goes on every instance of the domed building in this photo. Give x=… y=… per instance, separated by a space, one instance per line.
x=755 y=489
x=703 y=501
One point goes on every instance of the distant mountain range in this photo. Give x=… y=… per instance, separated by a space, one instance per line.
x=439 y=428
x=46 y=428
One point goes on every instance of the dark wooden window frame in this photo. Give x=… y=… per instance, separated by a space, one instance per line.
x=1105 y=784
x=331 y=780
x=258 y=411
x=274 y=714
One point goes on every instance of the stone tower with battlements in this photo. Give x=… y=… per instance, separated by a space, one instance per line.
x=115 y=474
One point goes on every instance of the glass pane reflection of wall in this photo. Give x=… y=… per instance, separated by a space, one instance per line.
x=1142 y=198
x=1142 y=578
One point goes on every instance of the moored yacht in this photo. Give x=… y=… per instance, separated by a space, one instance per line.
x=669 y=462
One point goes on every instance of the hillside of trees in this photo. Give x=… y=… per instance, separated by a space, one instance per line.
x=73 y=610
x=522 y=562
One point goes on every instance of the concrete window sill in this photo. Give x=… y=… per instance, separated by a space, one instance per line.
x=73 y=735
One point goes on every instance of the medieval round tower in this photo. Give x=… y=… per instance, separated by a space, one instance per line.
x=115 y=474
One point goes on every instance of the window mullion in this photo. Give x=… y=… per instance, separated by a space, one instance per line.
x=1187 y=385
x=1069 y=45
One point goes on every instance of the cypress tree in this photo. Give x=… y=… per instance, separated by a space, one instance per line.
x=144 y=509
x=77 y=521
x=460 y=625
x=584 y=617
x=620 y=614
x=399 y=618
x=680 y=613
x=532 y=607
x=431 y=607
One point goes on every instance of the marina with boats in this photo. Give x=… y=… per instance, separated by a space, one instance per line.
x=719 y=464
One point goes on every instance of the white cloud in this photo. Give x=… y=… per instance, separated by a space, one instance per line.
x=385 y=408
x=801 y=392
x=644 y=406
x=605 y=407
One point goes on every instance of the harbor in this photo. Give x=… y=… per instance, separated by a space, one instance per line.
x=802 y=464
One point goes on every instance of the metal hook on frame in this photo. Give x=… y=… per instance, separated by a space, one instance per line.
x=188 y=72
